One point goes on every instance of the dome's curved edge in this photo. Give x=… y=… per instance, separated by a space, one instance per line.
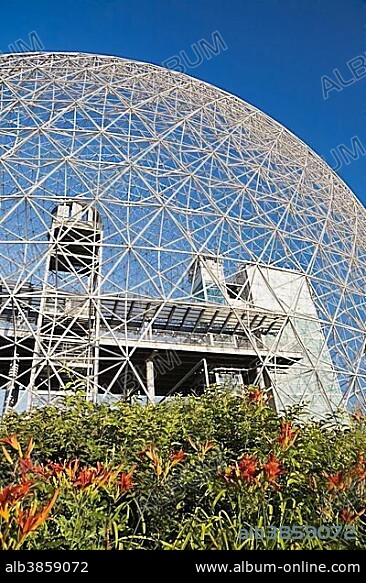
x=207 y=84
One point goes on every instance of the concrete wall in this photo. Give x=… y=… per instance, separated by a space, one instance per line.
x=311 y=380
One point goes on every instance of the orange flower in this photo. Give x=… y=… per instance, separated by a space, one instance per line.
x=348 y=516
x=86 y=477
x=29 y=520
x=177 y=457
x=30 y=448
x=55 y=468
x=202 y=448
x=272 y=469
x=245 y=470
x=12 y=440
x=125 y=481
x=26 y=466
x=97 y=476
x=69 y=469
x=256 y=396
x=248 y=468
x=287 y=435
x=358 y=416
x=153 y=455
x=337 y=481
x=83 y=477
x=11 y=494
x=359 y=470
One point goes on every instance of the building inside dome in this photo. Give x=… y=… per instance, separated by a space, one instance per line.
x=159 y=235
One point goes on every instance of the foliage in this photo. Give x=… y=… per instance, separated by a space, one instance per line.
x=188 y=473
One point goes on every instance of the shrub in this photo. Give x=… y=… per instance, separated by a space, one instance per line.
x=190 y=473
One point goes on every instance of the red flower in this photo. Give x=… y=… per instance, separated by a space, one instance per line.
x=177 y=457
x=287 y=435
x=359 y=471
x=85 y=477
x=26 y=466
x=256 y=396
x=11 y=494
x=69 y=469
x=30 y=519
x=12 y=440
x=248 y=468
x=358 y=416
x=272 y=469
x=88 y=477
x=336 y=481
x=56 y=468
x=97 y=476
x=125 y=481
x=348 y=516
x=245 y=470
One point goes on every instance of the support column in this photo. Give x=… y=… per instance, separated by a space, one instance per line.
x=205 y=368
x=11 y=385
x=150 y=380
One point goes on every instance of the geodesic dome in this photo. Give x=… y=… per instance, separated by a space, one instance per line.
x=144 y=212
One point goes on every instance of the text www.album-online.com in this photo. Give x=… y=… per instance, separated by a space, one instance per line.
x=300 y=567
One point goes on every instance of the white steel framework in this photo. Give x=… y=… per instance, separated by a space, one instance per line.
x=156 y=232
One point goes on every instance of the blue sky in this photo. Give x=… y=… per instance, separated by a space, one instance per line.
x=277 y=53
